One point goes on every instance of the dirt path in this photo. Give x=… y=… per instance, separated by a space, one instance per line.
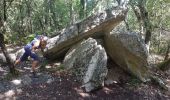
x=68 y=89
x=60 y=85
x=53 y=84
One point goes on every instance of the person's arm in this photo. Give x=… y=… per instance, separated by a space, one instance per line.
x=43 y=47
x=42 y=50
x=35 y=46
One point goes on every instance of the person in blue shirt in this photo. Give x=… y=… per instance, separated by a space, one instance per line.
x=38 y=43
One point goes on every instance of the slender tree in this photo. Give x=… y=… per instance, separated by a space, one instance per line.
x=167 y=52
x=2 y=43
x=139 y=8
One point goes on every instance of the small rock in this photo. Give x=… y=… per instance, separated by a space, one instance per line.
x=26 y=80
x=10 y=93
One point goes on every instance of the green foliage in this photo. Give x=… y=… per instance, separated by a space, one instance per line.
x=11 y=76
x=61 y=67
x=165 y=65
x=132 y=20
x=25 y=17
x=134 y=81
x=29 y=38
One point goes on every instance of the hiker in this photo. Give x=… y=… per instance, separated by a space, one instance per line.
x=39 y=42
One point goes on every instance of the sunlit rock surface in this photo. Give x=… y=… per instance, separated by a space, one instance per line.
x=94 y=25
x=128 y=50
x=88 y=61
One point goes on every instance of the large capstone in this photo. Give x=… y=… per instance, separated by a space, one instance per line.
x=94 y=25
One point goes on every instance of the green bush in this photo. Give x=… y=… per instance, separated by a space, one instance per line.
x=164 y=65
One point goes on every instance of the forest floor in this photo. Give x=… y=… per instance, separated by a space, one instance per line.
x=53 y=83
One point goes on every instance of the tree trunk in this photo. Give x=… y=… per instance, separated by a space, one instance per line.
x=2 y=43
x=146 y=21
x=143 y=19
x=71 y=12
x=28 y=3
x=41 y=24
x=83 y=11
x=138 y=16
x=167 y=53
x=127 y=25
x=52 y=11
x=5 y=17
x=8 y=58
x=46 y=15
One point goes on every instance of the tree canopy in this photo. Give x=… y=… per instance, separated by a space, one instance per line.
x=23 y=19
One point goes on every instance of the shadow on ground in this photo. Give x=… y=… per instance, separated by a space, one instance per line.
x=61 y=85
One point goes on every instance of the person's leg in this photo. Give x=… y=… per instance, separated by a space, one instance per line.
x=35 y=61
x=17 y=62
x=21 y=59
x=34 y=65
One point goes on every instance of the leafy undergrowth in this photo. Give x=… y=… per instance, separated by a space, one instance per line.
x=164 y=65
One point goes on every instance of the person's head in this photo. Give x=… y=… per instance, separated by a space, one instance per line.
x=43 y=42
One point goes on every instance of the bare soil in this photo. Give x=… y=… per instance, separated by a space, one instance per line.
x=65 y=87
